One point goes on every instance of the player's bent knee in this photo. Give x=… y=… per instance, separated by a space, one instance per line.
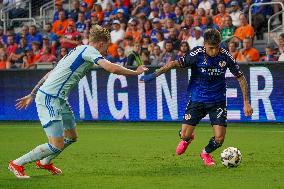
x=220 y=140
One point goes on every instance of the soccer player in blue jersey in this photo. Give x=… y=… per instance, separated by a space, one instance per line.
x=51 y=95
x=207 y=91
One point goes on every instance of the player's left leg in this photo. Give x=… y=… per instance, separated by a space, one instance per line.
x=70 y=136
x=218 y=117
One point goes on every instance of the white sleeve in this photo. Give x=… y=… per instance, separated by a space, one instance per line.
x=92 y=55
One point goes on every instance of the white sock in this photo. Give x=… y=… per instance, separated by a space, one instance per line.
x=47 y=160
x=38 y=153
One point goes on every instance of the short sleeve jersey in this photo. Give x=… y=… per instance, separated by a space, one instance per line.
x=207 y=82
x=69 y=70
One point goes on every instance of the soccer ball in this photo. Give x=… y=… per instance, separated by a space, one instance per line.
x=231 y=157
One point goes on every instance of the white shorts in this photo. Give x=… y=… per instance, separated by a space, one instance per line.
x=54 y=110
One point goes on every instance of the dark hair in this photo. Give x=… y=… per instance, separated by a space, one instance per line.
x=281 y=35
x=184 y=43
x=212 y=37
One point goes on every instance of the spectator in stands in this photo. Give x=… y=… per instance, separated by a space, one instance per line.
x=178 y=15
x=128 y=45
x=74 y=12
x=169 y=53
x=132 y=30
x=36 y=50
x=233 y=49
x=183 y=49
x=99 y=12
x=4 y=64
x=59 y=8
x=156 y=57
x=156 y=27
x=16 y=59
x=119 y=5
x=279 y=40
x=184 y=34
x=11 y=45
x=90 y=3
x=145 y=57
x=29 y=59
x=188 y=22
x=210 y=24
x=34 y=35
x=219 y=19
x=80 y=24
x=47 y=56
x=155 y=13
x=198 y=23
x=85 y=37
x=206 y=5
x=248 y=53
x=160 y=40
x=122 y=19
x=195 y=4
x=52 y=37
x=167 y=12
x=134 y=58
x=142 y=9
x=173 y=36
x=202 y=14
x=269 y=55
x=59 y=26
x=147 y=28
x=45 y=44
x=71 y=37
x=235 y=13
x=121 y=59
x=244 y=30
x=228 y=30
x=94 y=20
x=63 y=51
x=84 y=9
x=117 y=34
x=10 y=31
x=146 y=43
x=197 y=40
x=24 y=31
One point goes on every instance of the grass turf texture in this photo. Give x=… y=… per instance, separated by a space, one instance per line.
x=142 y=155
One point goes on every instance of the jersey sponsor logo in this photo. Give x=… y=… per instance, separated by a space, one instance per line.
x=213 y=71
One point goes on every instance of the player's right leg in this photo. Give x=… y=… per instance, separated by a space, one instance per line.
x=194 y=113
x=50 y=118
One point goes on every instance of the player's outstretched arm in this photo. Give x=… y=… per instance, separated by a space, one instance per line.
x=120 y=70
x=170 y=65
x=244 y=86
x=25 y=101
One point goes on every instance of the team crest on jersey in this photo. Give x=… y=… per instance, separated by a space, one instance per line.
x=187 y=116
x=222 y=64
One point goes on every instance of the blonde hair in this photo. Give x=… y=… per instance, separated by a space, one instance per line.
x=98 y=33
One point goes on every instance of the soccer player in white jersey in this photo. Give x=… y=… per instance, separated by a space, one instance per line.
x=51 y=94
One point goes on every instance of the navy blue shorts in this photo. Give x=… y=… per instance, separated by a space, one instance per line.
x=195 y=111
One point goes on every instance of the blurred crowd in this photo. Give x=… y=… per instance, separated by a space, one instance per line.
x=143 y=31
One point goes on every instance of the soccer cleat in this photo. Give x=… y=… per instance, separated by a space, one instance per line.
x=18 y=170
x=207 y=159
x=182 y=146
x=50 y=167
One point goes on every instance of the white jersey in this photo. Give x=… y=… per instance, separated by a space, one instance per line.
x=69 y=70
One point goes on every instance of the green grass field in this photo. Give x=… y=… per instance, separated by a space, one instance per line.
x=142 y=155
